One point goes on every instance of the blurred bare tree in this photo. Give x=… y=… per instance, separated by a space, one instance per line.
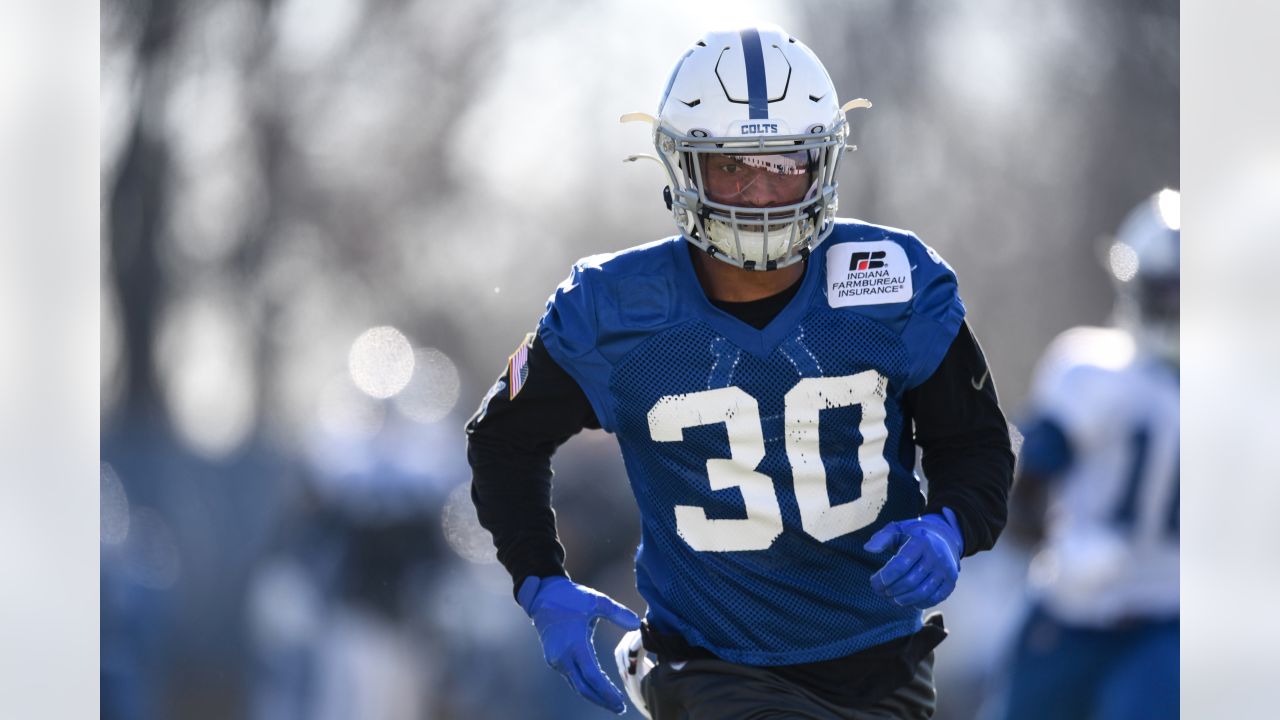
x=263 y=169
x=321 y=143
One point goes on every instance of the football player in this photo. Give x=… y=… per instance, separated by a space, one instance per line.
x=1101 y=452
x=768 y=372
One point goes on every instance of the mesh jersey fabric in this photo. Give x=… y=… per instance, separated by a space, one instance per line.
x=802 y=414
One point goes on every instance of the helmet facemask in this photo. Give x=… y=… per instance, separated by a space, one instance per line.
x=750 y=234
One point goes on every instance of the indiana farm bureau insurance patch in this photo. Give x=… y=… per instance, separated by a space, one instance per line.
x=870 y=273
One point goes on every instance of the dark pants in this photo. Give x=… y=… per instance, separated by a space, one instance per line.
x=1062 y=672
x=714 y=689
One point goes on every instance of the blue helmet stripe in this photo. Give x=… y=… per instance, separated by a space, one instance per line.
x=757 y=93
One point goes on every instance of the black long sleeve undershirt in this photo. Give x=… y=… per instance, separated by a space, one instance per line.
x=509 y=446
x=964 y=437
x=958 y=423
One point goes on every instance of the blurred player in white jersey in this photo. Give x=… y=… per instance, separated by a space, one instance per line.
x=1098 y=484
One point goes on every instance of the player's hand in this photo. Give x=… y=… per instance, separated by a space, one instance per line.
x=924 y=570
x=565 y=615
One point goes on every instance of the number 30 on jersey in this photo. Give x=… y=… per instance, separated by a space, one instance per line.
x=740 y=414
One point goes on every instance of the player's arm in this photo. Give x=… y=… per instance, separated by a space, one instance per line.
x=510 y=441
x=964 y=440
x=968 y=460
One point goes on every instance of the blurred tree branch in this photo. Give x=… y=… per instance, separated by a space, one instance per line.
x=424 y=81
x=139 y=195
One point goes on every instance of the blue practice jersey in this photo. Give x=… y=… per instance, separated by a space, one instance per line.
x=762 y=460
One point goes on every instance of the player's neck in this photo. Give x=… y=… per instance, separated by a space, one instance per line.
x=722 y=281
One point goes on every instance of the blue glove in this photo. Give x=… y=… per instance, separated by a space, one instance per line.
x=565 y=615
x=924 y=570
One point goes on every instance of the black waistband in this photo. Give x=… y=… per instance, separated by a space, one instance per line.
x=859 y=680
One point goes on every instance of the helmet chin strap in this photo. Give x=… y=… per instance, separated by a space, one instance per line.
x=728 y=239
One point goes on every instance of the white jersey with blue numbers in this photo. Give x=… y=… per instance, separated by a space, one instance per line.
x=1111 y=551
x=762 y=460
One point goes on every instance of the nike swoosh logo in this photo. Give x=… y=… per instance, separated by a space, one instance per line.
x=679 y=665
x=977 y=384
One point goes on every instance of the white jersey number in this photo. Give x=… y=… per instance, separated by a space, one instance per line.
x=740 y=414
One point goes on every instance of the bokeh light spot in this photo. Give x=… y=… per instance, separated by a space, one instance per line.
x=1123 y=261
x=114 y=505
x=381 y=361
x=205 y=360
x=433 y=391
x=1169 y=203
x=462 y=529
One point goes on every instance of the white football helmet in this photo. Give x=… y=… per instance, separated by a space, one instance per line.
x=1144 y=262
x=759 y=103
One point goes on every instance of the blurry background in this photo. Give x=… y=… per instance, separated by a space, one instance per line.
x=326 y=223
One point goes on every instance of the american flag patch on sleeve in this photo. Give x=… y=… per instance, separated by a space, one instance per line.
x=518 y=366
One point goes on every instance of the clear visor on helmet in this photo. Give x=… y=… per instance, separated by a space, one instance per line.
x=757 y=180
